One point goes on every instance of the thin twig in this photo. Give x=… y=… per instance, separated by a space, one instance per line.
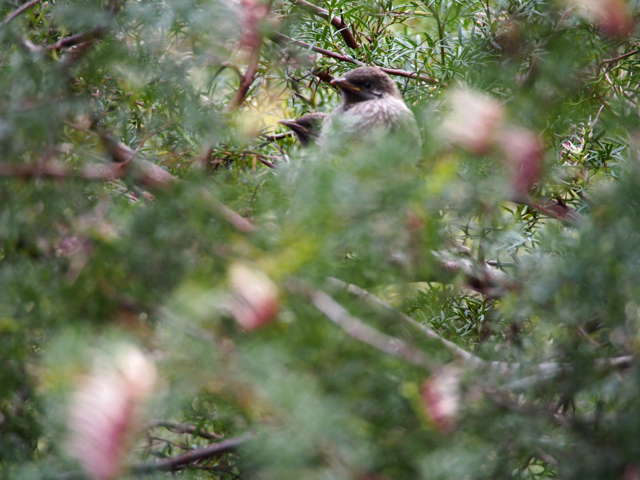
x=174 y=463
x=358 y=329
x=280 y=38
x=18 y=11
x=342 y=27
x=277 y=136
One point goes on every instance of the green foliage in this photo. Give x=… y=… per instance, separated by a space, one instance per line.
x=146 y=199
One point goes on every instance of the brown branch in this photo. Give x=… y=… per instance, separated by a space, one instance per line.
x=148 y=172
x=338 y=23
x=251 y=40
x=280 y=38
x=262 y=160
x=235 y=219
x=55 y=170
x=616 y=59
x=91 y=35
x=175 y=463
x=358 y=329
x=78 y=38
x=178 y=427
x=155 y=175
x=277 y=136
x=245 y=82
x=233 y=67
x=565 y=214
x=18 y=11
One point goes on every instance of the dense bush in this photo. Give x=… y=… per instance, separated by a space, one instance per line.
x=183 y=288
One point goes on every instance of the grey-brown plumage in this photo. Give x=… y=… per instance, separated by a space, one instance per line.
x=371 y=103
x=306 y=128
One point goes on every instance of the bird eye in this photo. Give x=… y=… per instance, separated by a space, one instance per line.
x=367 y=85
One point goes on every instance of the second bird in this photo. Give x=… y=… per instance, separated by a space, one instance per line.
x=306 y=128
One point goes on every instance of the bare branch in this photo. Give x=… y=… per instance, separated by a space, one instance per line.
x=18 y=11
x=237 y=220
x=176 y=463
x=155 y=175
x=178 y=427
x=280 y=38
x=358 y=329
x=150 y=173
x=479 y=276
x=78 y=38
x=342 y=27
x=56 y=170
x=428 y=332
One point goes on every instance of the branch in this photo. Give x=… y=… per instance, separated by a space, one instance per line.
x=549 y=370
x=480 y=277
x=155 y=175
x=358 y=329
x=563 y=213
x=235 y=219
x=90 y=35
x=280 y=38
x=277 y=136
x=255 y=13
x=178 y=427
x=150 y=173
x=428 y=332
x=79 y=38
x=18 y=11
x=616 y=59
x=342 y=27
x=174 y=463
x=245 y=82
x=56 y=170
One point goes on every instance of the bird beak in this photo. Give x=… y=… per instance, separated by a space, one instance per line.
x=343 y=84
x=293 y=125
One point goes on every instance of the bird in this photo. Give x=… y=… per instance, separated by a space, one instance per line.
x=306 y=128
x=371 y=104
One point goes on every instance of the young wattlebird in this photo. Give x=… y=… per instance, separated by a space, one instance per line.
x=371 y=107
x=306 y=128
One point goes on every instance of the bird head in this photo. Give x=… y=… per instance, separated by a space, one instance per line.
x=307 y=128
x=365 y=83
